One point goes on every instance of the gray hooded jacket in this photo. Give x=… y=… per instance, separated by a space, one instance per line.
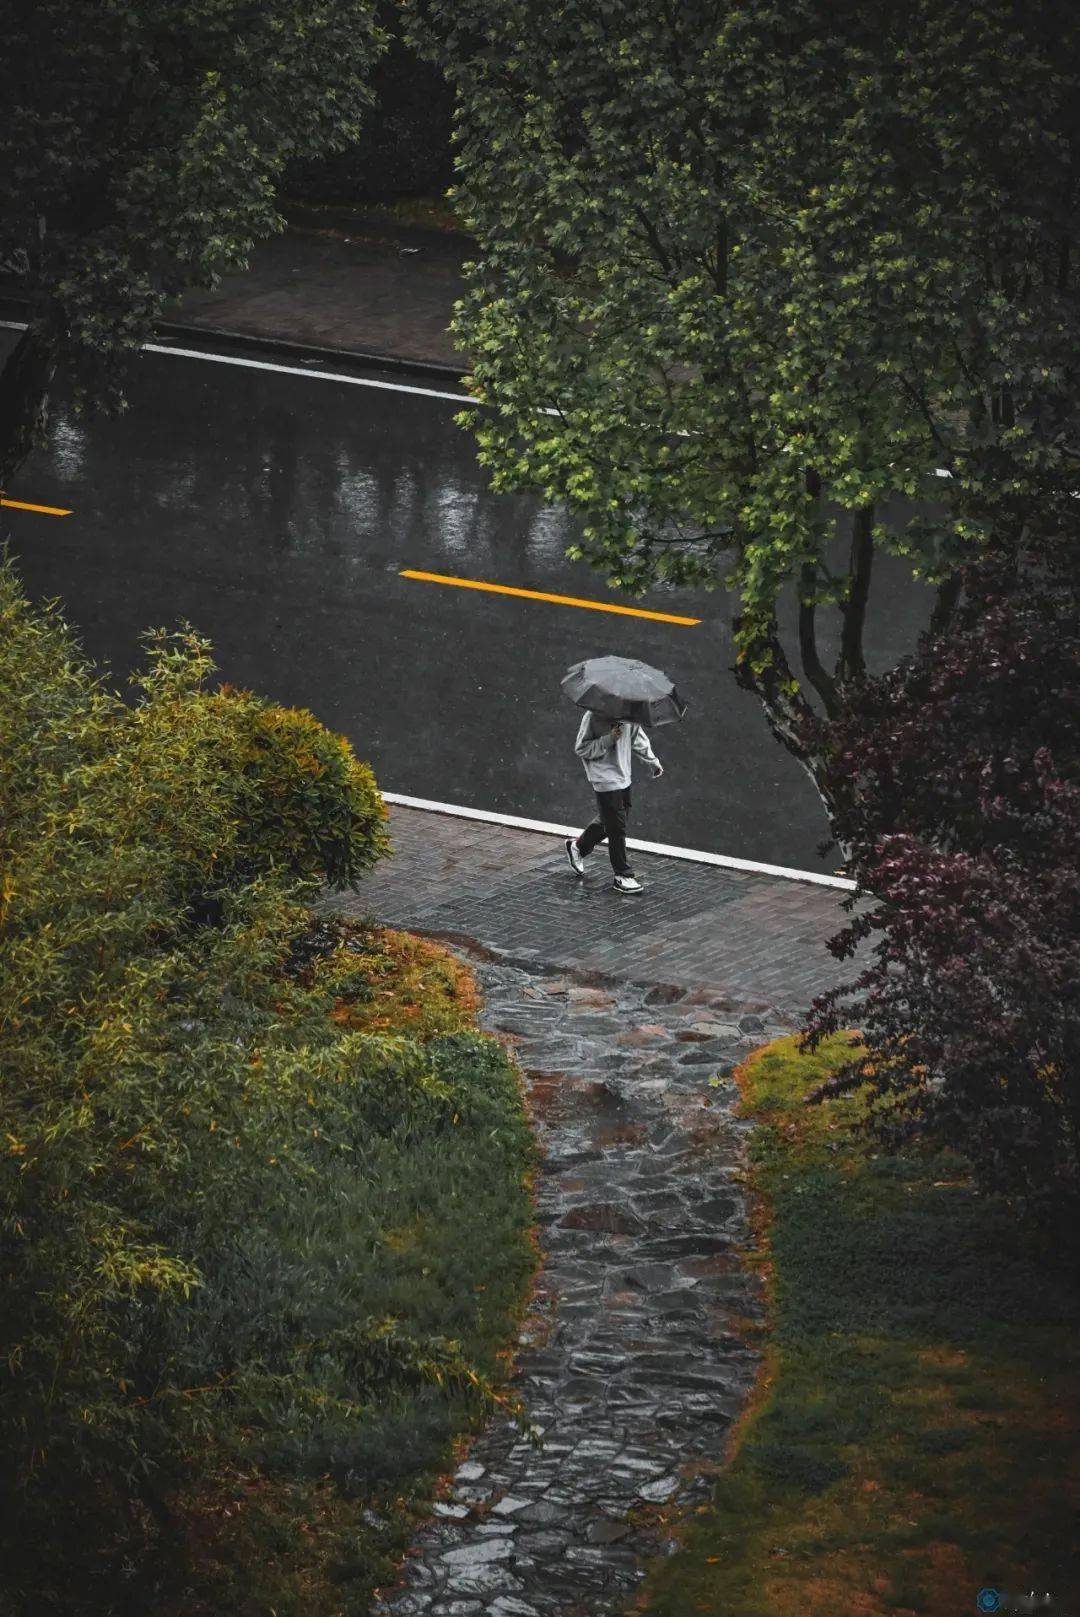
x=607 y=760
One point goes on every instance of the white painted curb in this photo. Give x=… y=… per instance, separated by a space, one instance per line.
x=285 y=370
x=666 y=850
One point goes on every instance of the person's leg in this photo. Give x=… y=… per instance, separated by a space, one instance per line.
x=614 y=807
x=596 y=831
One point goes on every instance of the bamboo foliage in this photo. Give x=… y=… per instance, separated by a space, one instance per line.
x=194 y=1155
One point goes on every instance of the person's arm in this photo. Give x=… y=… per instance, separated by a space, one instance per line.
x=641 y=745
x=591 y=747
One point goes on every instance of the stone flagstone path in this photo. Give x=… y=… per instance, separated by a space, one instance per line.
x=632 y=1365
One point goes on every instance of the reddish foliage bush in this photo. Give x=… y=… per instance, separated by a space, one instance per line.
x=965 y=828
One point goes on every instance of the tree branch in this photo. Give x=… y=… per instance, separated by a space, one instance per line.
x=851 y=664
x=652 y=236
x=924 y=410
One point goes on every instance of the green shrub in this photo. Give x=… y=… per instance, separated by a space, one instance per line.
x=233 y=1238
x=310 y=807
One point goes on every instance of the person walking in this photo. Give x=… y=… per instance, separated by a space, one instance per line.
x=606 y=748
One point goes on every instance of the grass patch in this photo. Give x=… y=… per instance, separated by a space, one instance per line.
x=434 y=212
x=431 y=211
x=913 y=1436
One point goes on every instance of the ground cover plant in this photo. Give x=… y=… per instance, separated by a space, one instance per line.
x=263 y=1188
x=914 y=1434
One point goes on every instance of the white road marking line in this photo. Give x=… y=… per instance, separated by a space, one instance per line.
x=298 y=370
x=286 y=370
x=323 y=376
x=693 y=855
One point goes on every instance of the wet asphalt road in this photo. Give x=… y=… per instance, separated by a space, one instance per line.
x=276 y=511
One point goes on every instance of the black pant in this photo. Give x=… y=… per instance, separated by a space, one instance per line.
x=609 y=826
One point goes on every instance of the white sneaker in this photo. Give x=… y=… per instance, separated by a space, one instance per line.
x=573 y=853
x=627 y=884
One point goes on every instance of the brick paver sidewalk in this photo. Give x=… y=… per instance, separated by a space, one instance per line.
x=758 y=939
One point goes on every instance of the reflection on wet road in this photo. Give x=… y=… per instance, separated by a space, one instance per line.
x=278 y=513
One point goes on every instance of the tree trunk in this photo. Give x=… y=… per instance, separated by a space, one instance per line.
x=822 y=682
x=945 y=603
x=852 y=665
x=790 y=717
x=24 y=399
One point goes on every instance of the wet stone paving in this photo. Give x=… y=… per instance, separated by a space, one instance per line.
x=634 y=1360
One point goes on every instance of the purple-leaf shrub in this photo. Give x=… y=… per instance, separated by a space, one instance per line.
x=965 y=829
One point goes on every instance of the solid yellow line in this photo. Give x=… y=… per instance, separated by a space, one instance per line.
x=539 y=595
x=45 y=510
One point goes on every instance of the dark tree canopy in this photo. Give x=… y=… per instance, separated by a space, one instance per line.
x=405 y=151
x=139 y=147
x=743 y=264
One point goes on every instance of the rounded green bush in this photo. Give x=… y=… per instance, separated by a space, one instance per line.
x=308 y=807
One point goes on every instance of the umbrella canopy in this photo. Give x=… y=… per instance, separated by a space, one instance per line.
x=623 y=688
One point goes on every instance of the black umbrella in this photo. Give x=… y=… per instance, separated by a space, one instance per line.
x=623 y=688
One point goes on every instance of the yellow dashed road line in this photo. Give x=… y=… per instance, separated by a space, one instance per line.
x=540 y=595
x=42 y=510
